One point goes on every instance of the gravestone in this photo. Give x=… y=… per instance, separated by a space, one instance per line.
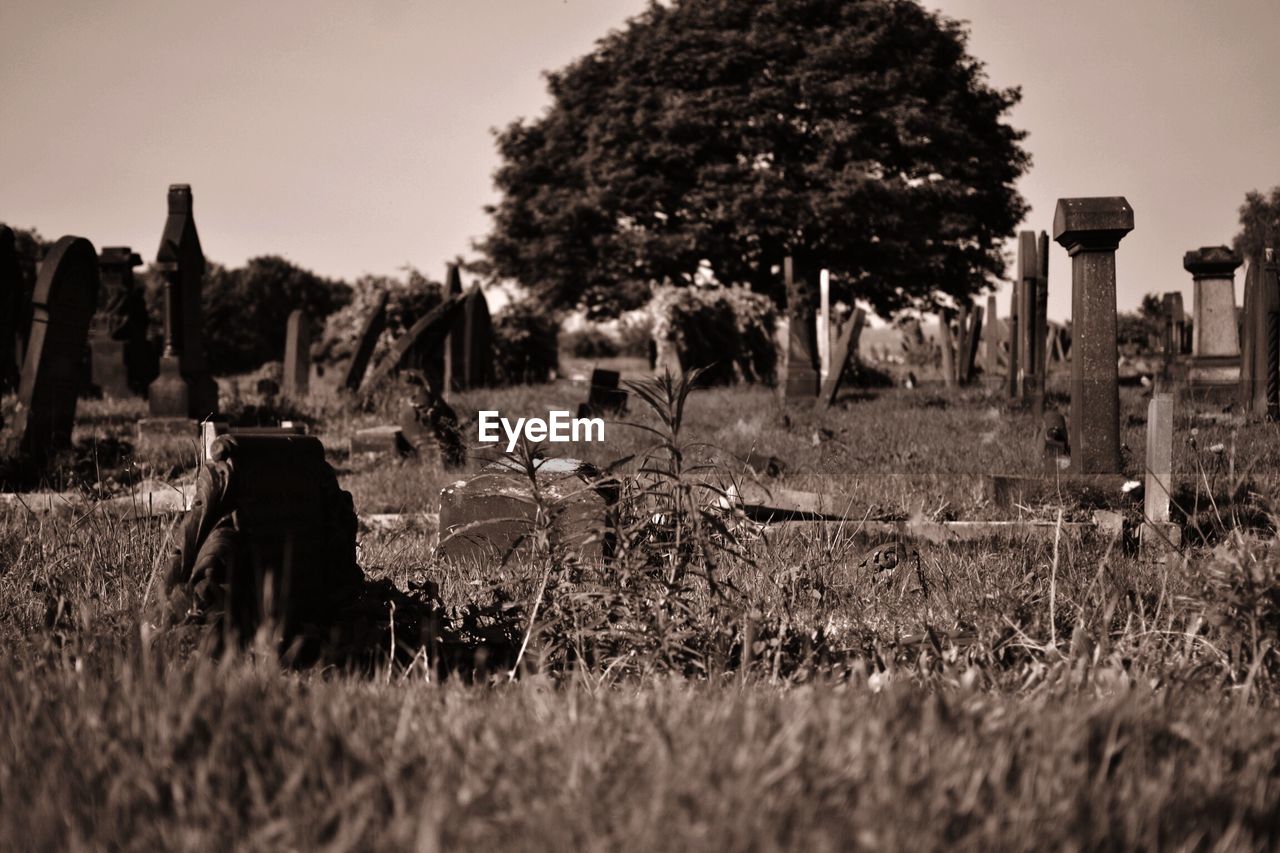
x=123 y=361
x=991 y=340
x=454 y=356
x=1091 y=230
x=427 y=335
x=843 y=351
x=493 y=514
x=1260 y=369
x=605 y=397
x=65 y=297
x=297 y=355
x=184 y=388
x=824 y=325
x=368 y=340
x=802 y=336
x=1156 y=532
x=1214 y=367
x=1040 y=322
x=947 y=345
x=1013 y=377
x=476 y=364
x=10 y=309
x=270 y=541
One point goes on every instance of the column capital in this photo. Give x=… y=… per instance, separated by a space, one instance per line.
x=1092 y=224
x=1211 y=262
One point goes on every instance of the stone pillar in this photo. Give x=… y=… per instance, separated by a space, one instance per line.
x=824 y=324
x=169 y=395
x=1011 y=339
x=1159 y=458
x=180 y=254
x=1215 y=351
x=297 y=355
x=1090 y=229
x=1260 y=368
x=802 y=344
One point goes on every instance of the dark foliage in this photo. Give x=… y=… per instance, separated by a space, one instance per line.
x=1259 y=224
x=525 y=343
x=717 y=137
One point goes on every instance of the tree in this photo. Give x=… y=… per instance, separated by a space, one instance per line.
x=709 y=139
x=1259 y=224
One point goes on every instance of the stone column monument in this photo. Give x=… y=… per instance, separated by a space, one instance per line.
x=1091 y=230
x=1214 y=367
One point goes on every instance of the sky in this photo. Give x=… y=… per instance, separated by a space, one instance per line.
x=356 y=138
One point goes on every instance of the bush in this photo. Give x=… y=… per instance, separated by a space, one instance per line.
x=526 y=347
x=727 y=332
x=590 y=341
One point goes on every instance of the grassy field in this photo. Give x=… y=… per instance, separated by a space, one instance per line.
x=752 y=688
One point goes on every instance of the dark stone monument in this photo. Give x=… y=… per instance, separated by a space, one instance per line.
x=10 y=310
x=1091 y=230
x=180 y=261
x=373 y=326
x=477 y=351
x=123 y=362
x=455 y=346
x=1213 y=370
x=1011 y=337
x=270 y=541
x=297 y=355
x=605 y=396
x=1032 y=290
x=1040 y=325
x=1260 y=368
x=802 y=336
x=65 y=297
x=427 y=335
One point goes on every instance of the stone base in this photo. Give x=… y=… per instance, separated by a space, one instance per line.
x=169 y=396
x=1103 y=490
x=492 y=515
x=107 y=368
x=380 y=440
x=1213 y=377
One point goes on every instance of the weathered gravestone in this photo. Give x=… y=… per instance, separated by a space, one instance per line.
x=270 y=541
x=366 y=343
x=1032 y=292
x=605 y=396
x=991 y=340
x=1156 y=529
x=123 y=362
x=184 y=388
x=1214 y=368
x=297 y=355
x=1260 y=368
x=427 y=335
x=10 y=309
x=474 y=368
x=802 y=336
x=494 y=514
x=66 y=295
x=1091 y=230
x=843 y=352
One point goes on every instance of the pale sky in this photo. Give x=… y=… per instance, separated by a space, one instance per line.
x=355 y=137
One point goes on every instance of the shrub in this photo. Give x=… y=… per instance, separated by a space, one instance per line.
x=590 y=341
x=725 y=332
x=526 y=347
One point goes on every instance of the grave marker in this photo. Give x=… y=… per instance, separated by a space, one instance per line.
x=824 y=324
x=991 y=340
x=10 y=309
x=1091 y=230
x=802 y=344
x=426 y=335
x=64 y=300
x=1011 y=340
x=845 y=349
x=1156 y=532
x=368 y=340
x=122 y=359
x=605 y=395
x=1214 y=367
x=1260 y=369
x=297 y=355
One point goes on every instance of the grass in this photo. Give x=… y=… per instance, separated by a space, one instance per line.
x=717 y=686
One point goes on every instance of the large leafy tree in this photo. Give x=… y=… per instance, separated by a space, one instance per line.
x=712 y=138
x=1259 y=223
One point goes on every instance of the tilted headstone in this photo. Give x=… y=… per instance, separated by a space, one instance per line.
x=365 y=345
x=427 y=335
x=843 y=351
x=802 y=335
x=180 y=260
x=66 y=295
x=10 y=309
x=1091 y=230
x=297 y=355
x=123 y=361
x=1215 y=355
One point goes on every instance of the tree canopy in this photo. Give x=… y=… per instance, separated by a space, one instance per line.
x=1259 y=224
x=709 y=139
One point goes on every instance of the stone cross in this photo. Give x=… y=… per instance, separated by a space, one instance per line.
x=65 y=297
x=802 y=344
x=368 y=340
x=297 y=355
x=1091 y=230
x=180 y=260
x=1215 y=350
x=10 y=309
